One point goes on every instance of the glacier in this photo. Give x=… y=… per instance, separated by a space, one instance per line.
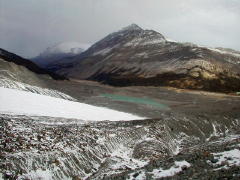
x=26 y=103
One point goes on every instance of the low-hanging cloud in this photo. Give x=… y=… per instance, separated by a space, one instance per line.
x=28 y=27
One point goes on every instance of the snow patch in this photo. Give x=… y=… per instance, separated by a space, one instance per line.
x=141 y=175
x=38 y=174
x=178 y=147
x=103 y=51
x=214 y=134
x=131 y=27
x=229 y=158
x=12 y=84
x=171 y=40
x=123 y=158
x=143 y=41
x=26 y=103
x=141 y=55
x=224 y=52
x=178 y=167
x=1 y=175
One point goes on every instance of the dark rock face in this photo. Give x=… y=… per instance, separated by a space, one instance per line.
x=133 y=56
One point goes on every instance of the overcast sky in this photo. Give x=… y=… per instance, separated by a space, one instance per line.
x=27 y=27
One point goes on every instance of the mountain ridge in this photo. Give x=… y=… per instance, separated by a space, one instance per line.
x=133 y=56
x=18 y=60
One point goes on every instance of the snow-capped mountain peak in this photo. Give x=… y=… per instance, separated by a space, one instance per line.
x=132 y=27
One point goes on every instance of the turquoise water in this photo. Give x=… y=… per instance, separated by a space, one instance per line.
x=131 y=99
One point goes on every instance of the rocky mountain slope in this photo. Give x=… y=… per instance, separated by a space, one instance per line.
x=133 y=56
x=6 y=56
x=19 y=73
x=58 y=52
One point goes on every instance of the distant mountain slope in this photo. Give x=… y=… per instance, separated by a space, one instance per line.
x=10 y=57
x=133 y=56
x=58 y=52
x=19 y=73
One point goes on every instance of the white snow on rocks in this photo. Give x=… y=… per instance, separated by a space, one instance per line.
x=26 y=103
x=143 y=41
x=178 y=167
x=228 y=158
x=38 y=174
x=224 y=52
x=123 y=158
x=161 y=173
x=131 y=27
x=141 y=175
x=103 y=52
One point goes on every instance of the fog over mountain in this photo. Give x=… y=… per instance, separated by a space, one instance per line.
x=29 y=27
x=58 y=52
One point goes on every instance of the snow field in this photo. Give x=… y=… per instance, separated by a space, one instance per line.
x=27 y=103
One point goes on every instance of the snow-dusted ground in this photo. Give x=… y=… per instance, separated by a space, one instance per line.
x=230 y=158
x=179 y=165
x=224 y=52
x=162 y=173
x=123 y=157
x=20 y=102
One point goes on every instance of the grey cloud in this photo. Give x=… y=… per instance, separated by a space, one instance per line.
x=27 y=27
